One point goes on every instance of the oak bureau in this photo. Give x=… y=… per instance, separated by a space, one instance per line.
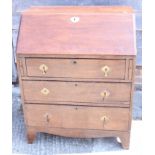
x=76 y=71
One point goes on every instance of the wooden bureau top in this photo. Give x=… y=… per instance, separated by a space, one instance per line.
x=77 y=9
x=83 y=30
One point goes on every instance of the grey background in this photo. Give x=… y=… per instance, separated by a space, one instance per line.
x=47 y=144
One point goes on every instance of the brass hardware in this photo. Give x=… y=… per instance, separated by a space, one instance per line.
x=105 y=94
x=74 y=19
x=105 y=70
x=47 y=117
x=104 y=119
x=43 y=68
x=45 y=91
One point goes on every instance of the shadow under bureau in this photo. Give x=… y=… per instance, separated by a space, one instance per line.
x=76 y=71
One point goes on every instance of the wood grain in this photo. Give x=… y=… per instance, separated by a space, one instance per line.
x=77 y=9
x=76 y=68
x=82 y=133
x=75 y=92
x=77 y=117
x=103 y=34
x=74 y=53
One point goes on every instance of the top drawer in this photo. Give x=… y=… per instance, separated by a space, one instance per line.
x=76 y=68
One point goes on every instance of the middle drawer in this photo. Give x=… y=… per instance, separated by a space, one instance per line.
x=60 y=91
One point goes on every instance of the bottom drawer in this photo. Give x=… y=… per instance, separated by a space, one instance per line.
x=79 y=117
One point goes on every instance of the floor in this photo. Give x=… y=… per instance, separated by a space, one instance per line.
x=46 y=144
x=106 y=146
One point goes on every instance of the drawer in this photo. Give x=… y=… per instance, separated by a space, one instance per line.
x=78 y=117
x=76 y=68
x=58 y=91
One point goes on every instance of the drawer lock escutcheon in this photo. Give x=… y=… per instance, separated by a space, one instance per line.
x=45 y=91
x=105 y=70
x=104 y=120
x=105 y=94
x=75 y=19
x=43 y=68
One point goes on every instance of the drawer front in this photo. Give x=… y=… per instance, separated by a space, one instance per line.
x=79 y=117
x=76 y=68
x=53 y=91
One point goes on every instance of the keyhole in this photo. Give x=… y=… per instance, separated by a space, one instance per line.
x=104 y=94
x=47 y=118
x=44 y=69
x=74 y=19
x=103 y=122
x=74 y=62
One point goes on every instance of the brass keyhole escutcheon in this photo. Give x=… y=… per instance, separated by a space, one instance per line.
x=105 y=70
x=104 y=120
x=43 y=68
x=75 y=19
x=105 y=94
x=45 y=91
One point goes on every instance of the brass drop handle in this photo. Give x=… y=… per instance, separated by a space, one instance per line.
x=74 y=19
x=43 y=68
x=105 y=70
x=104 y=119
x=47 y=117
x=45 y=91
x=105 y=94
